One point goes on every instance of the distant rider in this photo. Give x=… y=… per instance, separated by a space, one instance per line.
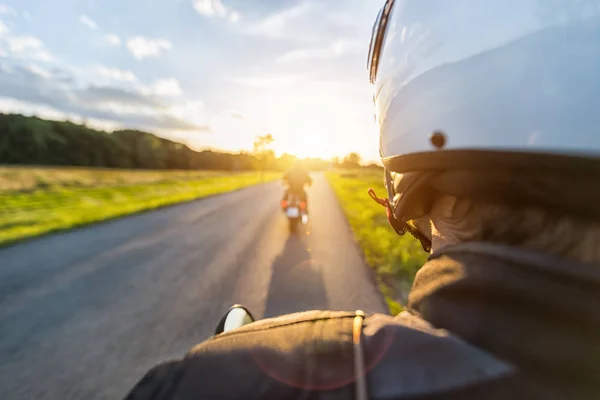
x=296 y=178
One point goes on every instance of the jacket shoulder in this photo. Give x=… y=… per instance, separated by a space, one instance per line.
x=404 y=356
x=411 y=358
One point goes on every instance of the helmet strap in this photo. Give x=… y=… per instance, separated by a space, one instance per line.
x=399 y=226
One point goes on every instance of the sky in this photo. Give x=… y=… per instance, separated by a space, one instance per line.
x=209 y=73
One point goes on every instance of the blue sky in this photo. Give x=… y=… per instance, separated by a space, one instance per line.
x=211 y=73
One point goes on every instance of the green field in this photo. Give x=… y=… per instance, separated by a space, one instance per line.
x=35 y=201
x=394 y=258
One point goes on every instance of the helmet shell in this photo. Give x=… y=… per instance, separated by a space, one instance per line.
x=519 y=76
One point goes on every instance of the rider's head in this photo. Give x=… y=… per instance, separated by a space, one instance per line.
x=489 y=116
x=298 y=165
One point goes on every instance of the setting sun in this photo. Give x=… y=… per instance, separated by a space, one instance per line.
x=310 y=118
x=306 y=141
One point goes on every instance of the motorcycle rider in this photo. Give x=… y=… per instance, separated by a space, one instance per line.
x=489 y=133
x=296 y=178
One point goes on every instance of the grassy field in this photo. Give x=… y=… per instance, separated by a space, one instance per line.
x=394 y=258
x=35 y=201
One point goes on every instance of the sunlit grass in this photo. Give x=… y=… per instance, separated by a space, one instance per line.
x=394 y=258
x=31 y=178
x=47 y=200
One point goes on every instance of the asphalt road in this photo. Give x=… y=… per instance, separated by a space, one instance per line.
x=84 y=314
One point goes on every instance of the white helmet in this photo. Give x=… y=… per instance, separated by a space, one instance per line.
x=489 y=99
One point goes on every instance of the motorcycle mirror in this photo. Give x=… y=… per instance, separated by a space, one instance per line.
x=236 y=317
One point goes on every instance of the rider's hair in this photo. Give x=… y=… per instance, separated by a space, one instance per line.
x=466 y=220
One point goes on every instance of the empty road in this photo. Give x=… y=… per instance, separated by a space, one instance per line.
x=85 y=313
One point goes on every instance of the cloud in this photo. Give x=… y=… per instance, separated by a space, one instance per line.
x=312 y=22
x=95 y=96
x=337 y=49
x=116 y=74
x=23 y=83
x=215 y=8
x=276 y=25
x=210 y=7
x=113 y=39
x=124 y=107
x=168 y=87
x=36 y=69
x=142 y=47
x=306 y=54
x=192 y=111
x=87 y=21
x=19 y=44
x=29 y=47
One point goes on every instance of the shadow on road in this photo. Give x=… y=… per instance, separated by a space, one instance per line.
x=296 y=282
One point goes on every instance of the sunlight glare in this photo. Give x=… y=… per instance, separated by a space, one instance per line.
x=309 y=140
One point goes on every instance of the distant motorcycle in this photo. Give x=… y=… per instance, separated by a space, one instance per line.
x=295 y=210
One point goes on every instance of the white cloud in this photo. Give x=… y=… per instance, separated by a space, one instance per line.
x=113 y=39
x=312 y=22
x=36 y=69
x=142 y=47
x=276 y=24
x=303 y=54
x=54 y=88
x=116 y=74
x=29 y=47
x=215 y=8
x=168 y=87
x=210 y=7
x=27 y=108
x=336 y=49
x=19 y=44
x=192 y=111
x=87 y=21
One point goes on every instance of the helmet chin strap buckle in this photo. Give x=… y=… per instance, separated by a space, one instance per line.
x=400 y=227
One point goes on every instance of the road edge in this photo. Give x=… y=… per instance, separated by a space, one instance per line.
x=371 y=272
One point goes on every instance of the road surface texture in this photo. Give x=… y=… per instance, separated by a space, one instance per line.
x=85 y=313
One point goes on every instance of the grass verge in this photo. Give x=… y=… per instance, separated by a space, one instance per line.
x=395 y=259
x=41 y=202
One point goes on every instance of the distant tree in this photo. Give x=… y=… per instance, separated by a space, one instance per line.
x=263 y=153
x=286 y=161
x=262 y=142
x=32 y=140
x=374 y=166
x=352 y=160
x=317 y=164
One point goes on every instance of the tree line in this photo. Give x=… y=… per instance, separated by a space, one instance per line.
x=33 y=141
